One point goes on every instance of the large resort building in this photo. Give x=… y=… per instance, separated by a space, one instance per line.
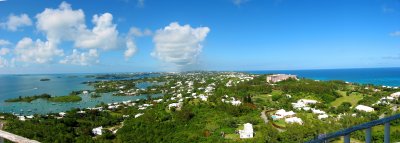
x=279 y=77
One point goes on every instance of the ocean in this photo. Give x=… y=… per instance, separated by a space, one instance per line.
x=376 y=76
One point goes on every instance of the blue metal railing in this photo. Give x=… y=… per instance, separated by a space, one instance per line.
x=365 y=126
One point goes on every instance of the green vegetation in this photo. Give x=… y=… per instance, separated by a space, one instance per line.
x=214 y=120
x=29 y=98
x=353 y=98
x=72 y=97
x=68 y=98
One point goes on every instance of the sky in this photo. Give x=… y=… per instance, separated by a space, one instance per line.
x=75 y=36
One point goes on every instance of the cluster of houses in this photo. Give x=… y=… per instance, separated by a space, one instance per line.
x=288 y=116
x=303 y=104
x=233 y=101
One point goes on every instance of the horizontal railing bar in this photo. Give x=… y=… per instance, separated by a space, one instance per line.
x=356 y=128
x=15 y=138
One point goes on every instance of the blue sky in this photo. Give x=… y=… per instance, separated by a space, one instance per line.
x=176 y=35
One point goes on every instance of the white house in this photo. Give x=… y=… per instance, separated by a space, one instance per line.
x=283 y=114
x=176 y=105
x=395 y=95
x=98 y=130
x=138 y=115
x=236 y=102
x=364 y=108
x=247 y=131
x=317 y=111
x=62 y=114
x=308 y=101
x=322 y=116
x=294 y=120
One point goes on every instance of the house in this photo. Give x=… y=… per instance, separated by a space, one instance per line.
x=236 y=102
x=294 y=120
x=395 y=95
x=364 y=108
x=283 y=114
x=176 y=105
x=279 y=77
x=322 y=116
x=308 y=101
x=303 y=104
x=21 y=118
x=138 y=115
x=62 y=114
x=247 y=131
x=317 y=111
x=98 y=130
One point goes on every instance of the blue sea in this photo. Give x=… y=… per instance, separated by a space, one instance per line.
x=376 y=76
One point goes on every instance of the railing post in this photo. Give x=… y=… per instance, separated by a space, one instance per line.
x=387 y=132
x=1 y=140
x=347 y=138
x=368 y=135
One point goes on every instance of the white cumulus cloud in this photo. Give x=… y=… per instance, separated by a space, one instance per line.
x=179 y=45
x=36 y=51
x=82 y=58
x=104 y=35
x=15 y=21
x=62 y=23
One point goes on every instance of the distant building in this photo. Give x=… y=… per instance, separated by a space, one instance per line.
x=279 y=77
x=247 y=131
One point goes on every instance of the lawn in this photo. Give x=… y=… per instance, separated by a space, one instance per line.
x=263 y=98
x=353 y=98
x=276 y=92
x=280 y=123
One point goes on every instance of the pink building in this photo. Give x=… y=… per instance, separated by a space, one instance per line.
x=279 y=77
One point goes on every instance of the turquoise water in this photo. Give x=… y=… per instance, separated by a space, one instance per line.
x=377 y=76
x=13 y=86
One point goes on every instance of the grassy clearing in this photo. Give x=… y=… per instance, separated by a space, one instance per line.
x=353 y=98
x=263 y=98
x=276 y=92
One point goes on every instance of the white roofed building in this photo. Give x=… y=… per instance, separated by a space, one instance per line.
x=98 y=130
x=364 y=108
x=247 y=131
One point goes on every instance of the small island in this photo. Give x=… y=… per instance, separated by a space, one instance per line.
x=44 y=79
x=29 y=98
x=72 y=97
